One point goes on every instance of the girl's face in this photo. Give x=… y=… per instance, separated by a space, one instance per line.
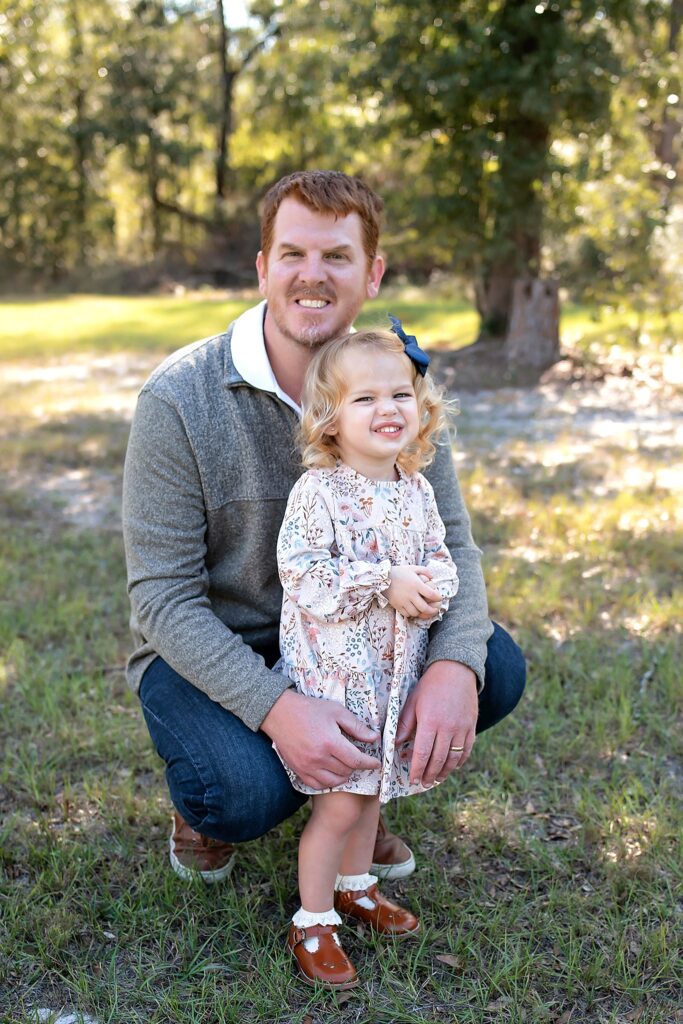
x=379 y=414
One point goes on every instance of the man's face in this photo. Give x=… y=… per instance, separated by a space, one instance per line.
x=316 y=275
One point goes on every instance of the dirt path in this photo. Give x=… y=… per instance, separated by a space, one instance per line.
x=629 y=424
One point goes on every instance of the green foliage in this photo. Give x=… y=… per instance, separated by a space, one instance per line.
x=506 y=136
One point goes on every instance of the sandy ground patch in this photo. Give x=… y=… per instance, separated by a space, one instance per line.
x=629 y=426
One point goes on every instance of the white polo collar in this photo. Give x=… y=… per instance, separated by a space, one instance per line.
x=249 y=356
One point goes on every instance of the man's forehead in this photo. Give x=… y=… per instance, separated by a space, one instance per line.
x=296 y=222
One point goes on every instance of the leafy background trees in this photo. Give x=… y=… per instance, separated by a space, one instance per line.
x=512 y=140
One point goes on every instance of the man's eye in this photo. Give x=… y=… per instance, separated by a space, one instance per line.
x=336 y=256
x=293 y=252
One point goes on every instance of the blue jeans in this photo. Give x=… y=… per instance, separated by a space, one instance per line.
x=227 y=781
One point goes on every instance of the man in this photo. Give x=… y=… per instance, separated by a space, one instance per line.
x=211 y=460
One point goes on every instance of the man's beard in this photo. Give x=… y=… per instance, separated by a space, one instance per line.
x=310 y=337
x=315 y=335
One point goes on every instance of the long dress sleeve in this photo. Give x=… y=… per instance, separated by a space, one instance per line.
x=326 y=585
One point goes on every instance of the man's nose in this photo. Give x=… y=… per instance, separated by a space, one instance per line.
x=312 y=270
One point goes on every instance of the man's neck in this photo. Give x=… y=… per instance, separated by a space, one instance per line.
x=288 y=359
x=289 y=363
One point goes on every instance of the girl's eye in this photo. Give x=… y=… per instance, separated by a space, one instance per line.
x=364 y=398
x=403 y=394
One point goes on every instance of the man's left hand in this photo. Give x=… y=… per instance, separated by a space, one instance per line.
x=440 y=713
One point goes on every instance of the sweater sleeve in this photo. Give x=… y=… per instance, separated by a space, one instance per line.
x=462 y=633
x=324 y=584
x=164 y=528
x=437 y=558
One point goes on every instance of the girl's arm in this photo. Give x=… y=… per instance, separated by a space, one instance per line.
x=326 y=585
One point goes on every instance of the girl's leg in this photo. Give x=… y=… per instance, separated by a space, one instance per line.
x=356 y=889
x=357 y=856
x=312 y=936
x=333 y=821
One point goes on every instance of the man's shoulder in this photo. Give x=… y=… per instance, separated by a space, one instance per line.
x=201 y=364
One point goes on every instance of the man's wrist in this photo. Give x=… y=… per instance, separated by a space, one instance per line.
x=269 y=725
x=459 y=670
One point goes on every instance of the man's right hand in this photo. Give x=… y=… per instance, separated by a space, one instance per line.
x=309 y=734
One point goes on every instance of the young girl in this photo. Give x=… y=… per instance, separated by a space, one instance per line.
x=365 y=572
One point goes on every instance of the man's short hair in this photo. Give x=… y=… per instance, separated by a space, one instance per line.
x=325 y=192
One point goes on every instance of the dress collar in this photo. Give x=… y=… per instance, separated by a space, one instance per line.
x=345 y=470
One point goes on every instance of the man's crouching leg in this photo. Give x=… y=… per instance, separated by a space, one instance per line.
x=226 y=782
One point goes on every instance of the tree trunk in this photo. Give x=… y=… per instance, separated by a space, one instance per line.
x=494 y=301
x=80 y=135
x=225 y=116
x=533 y=338
x=669 y=130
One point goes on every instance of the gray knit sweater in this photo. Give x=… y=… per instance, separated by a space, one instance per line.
x=211 y=461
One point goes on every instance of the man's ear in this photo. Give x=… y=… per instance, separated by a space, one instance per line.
x=262 y=271
x=375 y=277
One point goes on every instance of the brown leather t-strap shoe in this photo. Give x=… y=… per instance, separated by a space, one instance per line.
x=329 y=964
x=392 y=859
x=383 y=916
x=194 y=855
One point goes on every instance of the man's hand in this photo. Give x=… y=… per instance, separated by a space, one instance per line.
x=440 y=713
x=309 y=734
x=410 y=594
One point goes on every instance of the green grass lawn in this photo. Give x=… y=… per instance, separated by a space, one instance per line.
x=549 y=870
x=67 y=325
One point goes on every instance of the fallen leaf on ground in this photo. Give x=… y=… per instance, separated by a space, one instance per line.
x=448 y=958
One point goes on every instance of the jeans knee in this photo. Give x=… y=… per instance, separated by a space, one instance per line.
x=505 y=679
x=517 y=678
x=234 y=813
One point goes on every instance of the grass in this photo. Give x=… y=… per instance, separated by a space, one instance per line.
x=549 y=870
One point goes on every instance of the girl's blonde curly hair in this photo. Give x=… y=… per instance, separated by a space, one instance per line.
x=323 y=394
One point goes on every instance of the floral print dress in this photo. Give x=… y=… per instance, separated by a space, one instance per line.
x=339 y=637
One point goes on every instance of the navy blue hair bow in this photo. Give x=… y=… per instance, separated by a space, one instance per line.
x=413 y=350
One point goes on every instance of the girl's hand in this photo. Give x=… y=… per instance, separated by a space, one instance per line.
x=410 y=593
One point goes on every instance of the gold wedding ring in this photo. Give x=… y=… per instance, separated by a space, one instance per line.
x=459 y=749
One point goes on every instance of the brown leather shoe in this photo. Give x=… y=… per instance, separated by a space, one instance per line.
x=384 y=917
x=194 y=855
x=329 y=965
x=392 y=859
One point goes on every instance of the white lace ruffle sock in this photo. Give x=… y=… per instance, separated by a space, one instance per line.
x=354 y=883
x=306 y=919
